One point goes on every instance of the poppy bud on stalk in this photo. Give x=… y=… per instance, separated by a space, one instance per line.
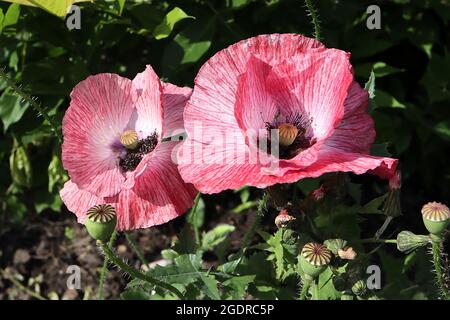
x=314 y=258
x=408 y=241
x=436 y=217
x=283 y=219
x=101 y=221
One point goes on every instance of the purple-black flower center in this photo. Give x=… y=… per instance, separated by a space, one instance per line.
x=133 y=156
x=292 y=135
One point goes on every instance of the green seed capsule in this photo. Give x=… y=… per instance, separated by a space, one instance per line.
x=314 y=258
x=436 y=217
x=101 y=221
x=334 y=245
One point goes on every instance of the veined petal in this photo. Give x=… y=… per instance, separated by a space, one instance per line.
x=100 y=109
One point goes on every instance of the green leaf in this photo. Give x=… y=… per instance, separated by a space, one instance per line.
x=135 y=294
x=2 y=17
x=11 y=109
x=326 y=287
x=215 y=236
x=380 y=69
x=237 y=286
x=443 y=129
x=164 y=29
x=58 y=8
x=12 y=15
x=370 y=85
x=384 y=99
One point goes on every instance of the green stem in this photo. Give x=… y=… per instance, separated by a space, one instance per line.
x=104 y=271
x=436 y=248
x=136 y=274
x=193 y=213
x=305 y=288
x=36 y=106
x=134 y=246
x=373 y=240
x=314 y=17
x=259 y=214
x=315 y=290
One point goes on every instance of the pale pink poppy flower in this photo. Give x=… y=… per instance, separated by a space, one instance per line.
x=283 y=82
x=114 y=153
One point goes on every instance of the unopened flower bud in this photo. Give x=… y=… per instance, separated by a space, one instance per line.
x=359 y=288
x=101 y=221
x=435 y=217
x=283 y=219
x=347 y=253
x=408 y=241
x=314 y=258
x=334 y=245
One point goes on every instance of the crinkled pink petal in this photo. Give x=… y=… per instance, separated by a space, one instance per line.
x=78 y=201
x=254 y=105
x=174 y=100
x=100 y=109
x=150 y=113
x=356 y=131
x=158 y=196
x=320 y=81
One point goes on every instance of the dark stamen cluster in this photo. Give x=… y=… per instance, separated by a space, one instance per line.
x=300 y=143
x=132 y=158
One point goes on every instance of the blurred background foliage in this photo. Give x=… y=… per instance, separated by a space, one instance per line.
x=409 y=55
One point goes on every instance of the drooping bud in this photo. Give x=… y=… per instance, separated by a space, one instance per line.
x=347 y=253
x=314 y=258
x=101 y=221
x=129 y=139
x=283 y=219
x=288 y=133
x=408 y=241
x=334 y=245
x=391 y=205
x=359 y=288
x=435 y=217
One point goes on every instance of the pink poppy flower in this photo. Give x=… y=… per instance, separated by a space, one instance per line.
x=114 y=153
x=283 y=83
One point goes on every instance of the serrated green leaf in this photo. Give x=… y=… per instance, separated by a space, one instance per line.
x=164 y=29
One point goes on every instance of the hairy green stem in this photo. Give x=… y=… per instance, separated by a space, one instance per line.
x=36 y=106
x=104 y=271
x=314 y=17
x=137 y=274
x=259 y=214
x=305 y=288
x=134 y=246
x=436 y=248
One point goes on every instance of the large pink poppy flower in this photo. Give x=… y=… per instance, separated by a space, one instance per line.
x=283 y=83
x=114 y=153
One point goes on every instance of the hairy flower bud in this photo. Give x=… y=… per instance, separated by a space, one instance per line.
x=347 y=253
x=408 y=241
x=283 y=219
